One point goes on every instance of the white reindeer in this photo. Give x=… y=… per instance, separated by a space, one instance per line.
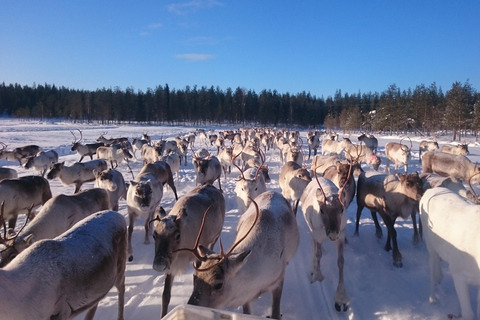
x=68 y=275
x=325 y=214
x=250 y=267
x=452 y=235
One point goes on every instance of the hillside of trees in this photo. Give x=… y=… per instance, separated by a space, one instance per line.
x=423 y=109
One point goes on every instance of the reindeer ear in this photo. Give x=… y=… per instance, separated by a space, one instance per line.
x=236 y=261
x=95 y=173
x=400 y=176
x=29 y=240
x=204 y=251
x=160 y=213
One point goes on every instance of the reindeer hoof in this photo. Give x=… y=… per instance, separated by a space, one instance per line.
x=343 y=307
x=398 y=264
x=130 y=258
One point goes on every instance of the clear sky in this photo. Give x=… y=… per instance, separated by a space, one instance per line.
x=289 y=46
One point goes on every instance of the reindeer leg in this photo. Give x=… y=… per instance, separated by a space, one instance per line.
x=91 y=312
x=276 y=298
x=416 y=236
x=341 y=297
x=295 y=206
x=147 y=232
x=392 y=237
x=315 y=272
x=167 y=293
x=463 y=294
x=247 y=308
x=131 y=219
x=378 y=229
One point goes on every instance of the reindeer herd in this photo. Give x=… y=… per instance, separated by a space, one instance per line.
x=81 y=238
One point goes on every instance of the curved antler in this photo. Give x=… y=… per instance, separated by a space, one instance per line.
x=233 y=162
x=411 y=144
x=319 y=185
x=471 y=188
x=194 y=250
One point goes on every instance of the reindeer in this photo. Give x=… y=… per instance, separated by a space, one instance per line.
x=392 y=196
x=143 y=197
x=20 y=153
x=293 y=180
x=427 y=145
x=111 y=141
x=333 y=147
x=151 y=154
x=294 y=154
x=361 y=153
x=461 y=149
x=450 y=165
x=7 y=173
x=114 y=154
x=313 y=143
x=370 y=141
x=163 y=171
x=202 y=206
x=399 y=154
x=113 y=182
x=452 y=235
x=324 y=210
x=57 y=215
x=225 y=157
x=137 y=144
x=42 y=161
x=433 y=180
x=250 y=267
x=77 y=173
x=173 y=160
x=53 y=273
x=249 y=185
x=21 y=194
x=342 y=175
x=209 y=170
x=84 y=150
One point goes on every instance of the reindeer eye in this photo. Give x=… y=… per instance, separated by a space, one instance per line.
x=177 y=235
x=218 y=286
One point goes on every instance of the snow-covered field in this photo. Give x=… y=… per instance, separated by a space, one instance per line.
x=377 y=289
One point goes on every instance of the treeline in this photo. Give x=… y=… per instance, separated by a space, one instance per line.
x=423 y=108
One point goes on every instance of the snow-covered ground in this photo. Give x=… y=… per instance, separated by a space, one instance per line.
x=377 y=289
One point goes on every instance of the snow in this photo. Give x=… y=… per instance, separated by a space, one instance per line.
x=377 y=289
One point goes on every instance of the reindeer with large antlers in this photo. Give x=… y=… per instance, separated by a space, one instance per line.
x=324 y=210
x=250 y=267
x=84 y=150
x=201 y=206
x=399 y=154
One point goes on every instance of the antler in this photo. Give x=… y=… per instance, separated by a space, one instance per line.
x=194 y=250
x=345 y=184
x=319 y=185
x=233 y=162
x=471 y=188
x=411 y=144
x=262 y=157
x=81 y=136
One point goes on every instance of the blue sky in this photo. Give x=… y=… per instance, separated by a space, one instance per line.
x=288 y=46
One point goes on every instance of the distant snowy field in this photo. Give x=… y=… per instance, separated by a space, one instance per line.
x=377 y=289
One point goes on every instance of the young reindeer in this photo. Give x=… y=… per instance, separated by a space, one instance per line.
x=324 y=210
x=48 y=280
x=201 y=206
x=250 y=267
